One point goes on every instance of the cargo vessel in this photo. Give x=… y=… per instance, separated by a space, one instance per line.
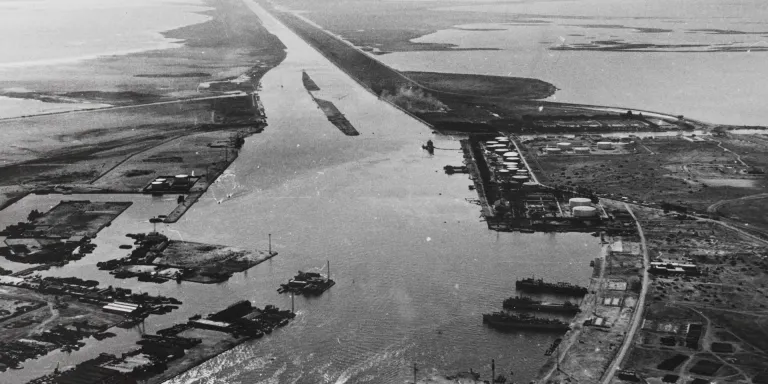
x=503 y=320
x=526 y=303
x=539 y=285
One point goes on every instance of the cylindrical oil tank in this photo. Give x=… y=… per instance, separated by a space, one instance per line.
x=529 y=185
x=499 y=150
x=503 y=174
x=160 y=179
x=579 y=202
x=581 y=150
x=553 y=150
x=604 y=145
x=564 y=145
x=501 y=138
x=584 y=211
x=520 y=178
x=182 y=176
x=511 y=163
x=511 y=154
x=495 y=146
x=490 y=142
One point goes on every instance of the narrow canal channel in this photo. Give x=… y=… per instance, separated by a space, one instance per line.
x=415 y=267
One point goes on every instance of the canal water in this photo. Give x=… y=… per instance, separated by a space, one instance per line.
x=415 y=266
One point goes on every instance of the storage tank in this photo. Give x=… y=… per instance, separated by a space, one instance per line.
x=496 y=146
x=503 y=174
x=604 y=145
x=510 y=163
x=579 y=202
x=501 y=138
x=581 y=150
x=500 y=150
x=529 y=185
x=520 y=178
x=553 y=150
x=584 y=211
x=161 y=180
x=564 y=145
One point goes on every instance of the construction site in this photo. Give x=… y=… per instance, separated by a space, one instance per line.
x=158 y=259
x=61 y=234
x=178 y=348
x=43 y=315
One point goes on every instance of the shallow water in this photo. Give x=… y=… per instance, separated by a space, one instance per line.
x=41 y=38
x=702 y=59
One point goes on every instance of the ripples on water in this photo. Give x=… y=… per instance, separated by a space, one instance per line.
x=414 y=265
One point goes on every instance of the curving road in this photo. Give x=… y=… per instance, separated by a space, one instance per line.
x=716 y=206
x=637 y=317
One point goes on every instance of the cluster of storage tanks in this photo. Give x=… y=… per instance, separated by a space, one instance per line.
x=564 y=147
x=512 y=169
x=601 y=145
x=582 y=207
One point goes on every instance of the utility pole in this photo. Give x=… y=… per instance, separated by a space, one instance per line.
x=270 y=244
x=493 y=371
x=414 y=373
x=292 y=311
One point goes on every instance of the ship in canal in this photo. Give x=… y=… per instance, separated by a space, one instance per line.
x=527 y=303
x=539 y=285
x=503 y=320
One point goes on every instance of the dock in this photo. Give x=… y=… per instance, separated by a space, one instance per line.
x=511 y=199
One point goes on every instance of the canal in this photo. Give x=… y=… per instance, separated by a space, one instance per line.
x=414 y=265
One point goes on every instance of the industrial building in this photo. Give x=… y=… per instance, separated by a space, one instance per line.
x=667 y=267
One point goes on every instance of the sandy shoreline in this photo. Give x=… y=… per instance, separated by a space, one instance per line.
x=149 y=98
x=191 y=55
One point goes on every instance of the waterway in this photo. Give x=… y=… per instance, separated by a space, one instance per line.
x=415 y=267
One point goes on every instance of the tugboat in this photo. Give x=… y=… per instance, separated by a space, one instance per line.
x=429 y=147
x=503 y=320
x=526 y=303
x=538 y=285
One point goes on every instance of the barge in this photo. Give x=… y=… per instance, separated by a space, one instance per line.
x=308 y=283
